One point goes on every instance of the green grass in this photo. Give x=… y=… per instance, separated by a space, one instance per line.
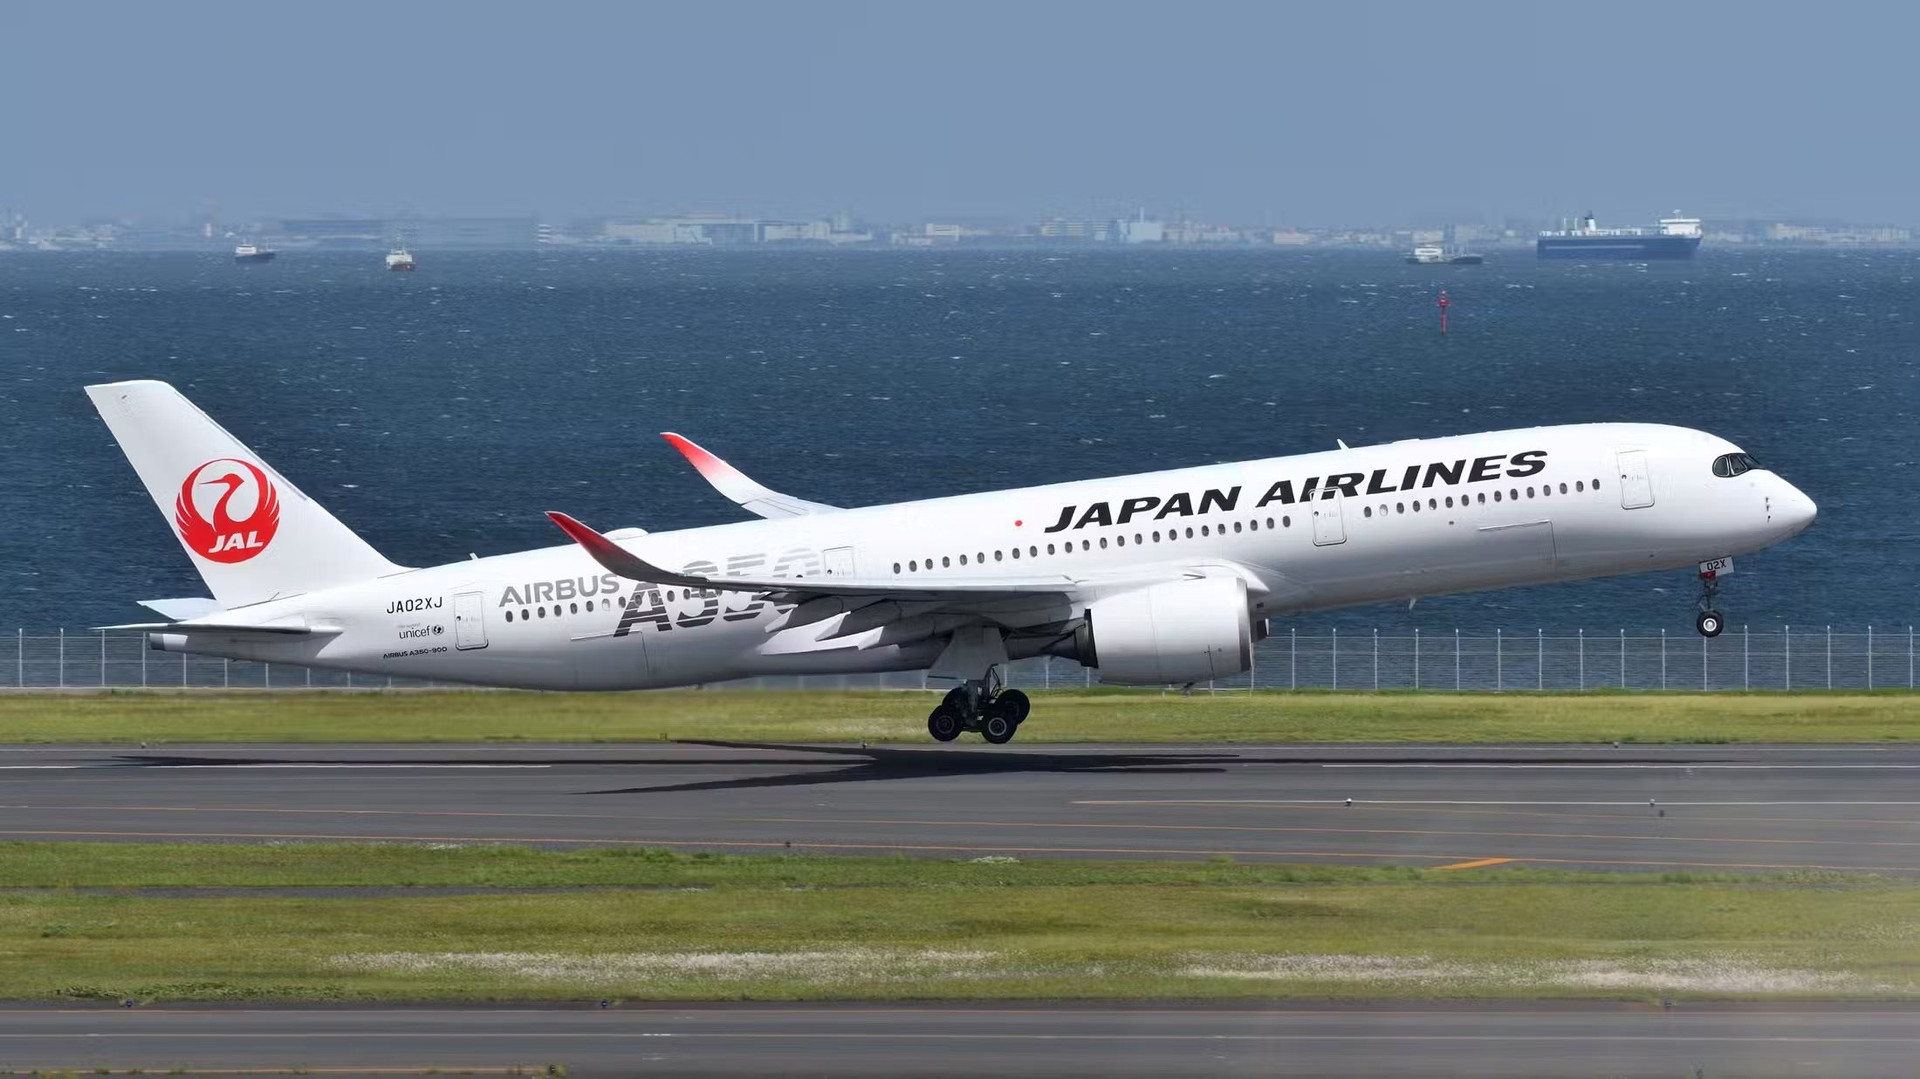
x=668 y=926
x=877 y=716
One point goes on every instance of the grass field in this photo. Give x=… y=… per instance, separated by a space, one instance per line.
x=375 y=923
x=1063 y=716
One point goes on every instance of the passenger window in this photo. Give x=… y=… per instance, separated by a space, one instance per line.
x=509 y=616
x=573 y=608
x=1596 y=485
x=1433 y=504
x=913 y=566
x=1189 y=533
x=1137 y=539
x=996 y=556
x=1156 y=537
x=1269 y=524
x=542 y=611
x=1049 y=548
x=1399 y=507
x=1368 y=511
x=1563 y=488
x=980 y=557
x=1086 y=546
x=1103 y=543
x=1121 y=540
x=1416 y=505
x=1253 y=525
x=1034 y=552
x=1016 y=552
x=963 y=560
x=1580 y=485
x=1286 y=522
x=945 y=561
x=896 y=567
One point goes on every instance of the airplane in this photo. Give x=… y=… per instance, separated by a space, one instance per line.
x=1160 y=578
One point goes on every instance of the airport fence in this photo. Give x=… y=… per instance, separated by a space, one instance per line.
x=1788 y=658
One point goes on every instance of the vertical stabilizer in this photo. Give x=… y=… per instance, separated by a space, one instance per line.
x=252 y=535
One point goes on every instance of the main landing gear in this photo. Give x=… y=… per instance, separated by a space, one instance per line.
x=1709 y=622
x=980 y=705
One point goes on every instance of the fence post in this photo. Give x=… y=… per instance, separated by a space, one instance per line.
x=1253 y=670
x=1746 y=660
x=1786 y=641
x=1539 y=658
x=1829 y=657
x=20 y=657
x=1376 y=659
x=1623 y=657
x=1416 y=657
x=1703 y=665
x=1583 y=659
x=1499 y=674
x=1293 y=657
x=1663 y=659
x=183 y=670
x=63 y=657
x=143 y=664
x=1456 y=659
x=226 y=674
x=103 y=659
x=1336 y=657
x=1869 y=657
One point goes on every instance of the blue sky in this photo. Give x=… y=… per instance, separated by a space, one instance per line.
x=1289 y=113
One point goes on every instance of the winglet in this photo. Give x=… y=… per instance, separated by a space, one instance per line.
x=616 y=558
x=739 y=488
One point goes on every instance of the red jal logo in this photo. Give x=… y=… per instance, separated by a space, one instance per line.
x=224 y=537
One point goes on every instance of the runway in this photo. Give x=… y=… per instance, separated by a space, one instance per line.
x=1667 y=808
x=1484 y=1040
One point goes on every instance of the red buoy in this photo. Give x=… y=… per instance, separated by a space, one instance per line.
x=1444 y=304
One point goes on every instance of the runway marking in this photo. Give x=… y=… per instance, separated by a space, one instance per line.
x=1187 y=852
x=1476 y=864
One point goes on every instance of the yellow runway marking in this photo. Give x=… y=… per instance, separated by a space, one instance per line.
x=1476 y=865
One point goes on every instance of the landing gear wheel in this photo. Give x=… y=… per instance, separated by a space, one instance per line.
x=944 y=724
x=1015 y=704
x=1709 y=623
x=995 y=727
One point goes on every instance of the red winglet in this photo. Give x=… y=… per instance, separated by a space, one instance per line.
x=613 y=556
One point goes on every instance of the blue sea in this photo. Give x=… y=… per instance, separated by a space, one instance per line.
x=439 y=413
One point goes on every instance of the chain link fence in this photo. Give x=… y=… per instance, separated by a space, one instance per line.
x=1786 y=658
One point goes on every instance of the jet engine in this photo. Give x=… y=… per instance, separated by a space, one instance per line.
x=1178 y=632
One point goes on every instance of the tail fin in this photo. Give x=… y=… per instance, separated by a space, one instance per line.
x=252 y=535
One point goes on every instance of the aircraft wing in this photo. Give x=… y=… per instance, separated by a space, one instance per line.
x=739 y=488
x=619 y=560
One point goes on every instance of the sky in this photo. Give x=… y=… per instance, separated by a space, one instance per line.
x=1307 y=114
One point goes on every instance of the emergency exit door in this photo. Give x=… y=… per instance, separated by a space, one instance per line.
x=838 y=561
x=1636 y=485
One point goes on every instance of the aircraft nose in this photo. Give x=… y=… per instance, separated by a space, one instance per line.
x=1793 y=510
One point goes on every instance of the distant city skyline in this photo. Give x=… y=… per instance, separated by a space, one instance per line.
x=1294 y=114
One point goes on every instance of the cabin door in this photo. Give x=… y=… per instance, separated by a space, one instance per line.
x=838 y=561
x=1636 y=485
x=469 y=627
x=1328 y=526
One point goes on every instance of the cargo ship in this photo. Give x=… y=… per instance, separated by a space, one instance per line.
x=252 y=253
x=1673 y=238
x=1427 y=255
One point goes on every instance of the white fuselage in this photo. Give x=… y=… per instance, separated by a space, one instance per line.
x=1310 y=532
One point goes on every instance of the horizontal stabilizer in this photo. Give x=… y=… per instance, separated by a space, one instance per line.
x=224 y=627
x=185 y=607
x=741 y=489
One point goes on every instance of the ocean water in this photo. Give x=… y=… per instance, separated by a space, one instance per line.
x=439 y=413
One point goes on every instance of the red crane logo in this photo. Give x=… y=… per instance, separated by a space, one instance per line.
x=224 y=537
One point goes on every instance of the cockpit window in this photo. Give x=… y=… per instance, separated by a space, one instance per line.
x=1732 y=464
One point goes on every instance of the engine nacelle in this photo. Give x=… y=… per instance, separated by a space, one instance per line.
x=1178 y=632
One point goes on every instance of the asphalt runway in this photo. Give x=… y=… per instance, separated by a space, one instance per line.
x=1317 y=1039
x=1747 y=808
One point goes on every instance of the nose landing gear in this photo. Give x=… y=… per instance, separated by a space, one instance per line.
x=1709 y=622
x=980 y=705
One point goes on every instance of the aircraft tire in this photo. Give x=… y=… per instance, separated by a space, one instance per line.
x=944 y=724
x=997 y=728
x=1015 y=704
x=1710 y=623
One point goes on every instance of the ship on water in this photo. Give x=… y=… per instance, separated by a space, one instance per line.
x=253 y=253
x=400 y=259
x=1433 y=255
x=1674 y=237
